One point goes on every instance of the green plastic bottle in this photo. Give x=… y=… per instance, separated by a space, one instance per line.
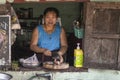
x=78 y=56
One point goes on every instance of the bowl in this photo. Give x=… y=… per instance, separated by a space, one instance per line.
x=5 y=76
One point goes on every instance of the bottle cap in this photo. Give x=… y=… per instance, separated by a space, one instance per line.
x=78 y=45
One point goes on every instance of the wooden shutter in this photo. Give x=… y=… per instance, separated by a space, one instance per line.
x=102 y=35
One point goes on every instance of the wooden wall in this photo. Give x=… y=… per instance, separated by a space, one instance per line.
x=102 y=35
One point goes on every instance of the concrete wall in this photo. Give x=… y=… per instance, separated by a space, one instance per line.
x=92 y=74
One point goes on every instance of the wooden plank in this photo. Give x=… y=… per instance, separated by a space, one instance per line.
x=109 y=48
x=91 y=52
x=107 y=5
x=106 y=36
x=118 y=29
x=119 y=55
x=101 y=35
x=89 y=16
x=101 y=20
x=23 y=1
x=99 y=55
x=114 y=22
x=106 y=21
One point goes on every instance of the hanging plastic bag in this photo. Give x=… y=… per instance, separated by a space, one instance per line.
x=30 y=61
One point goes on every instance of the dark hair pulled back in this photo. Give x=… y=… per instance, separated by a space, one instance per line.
x=51 y=9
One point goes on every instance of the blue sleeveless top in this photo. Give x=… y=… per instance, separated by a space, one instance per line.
x=49 y=41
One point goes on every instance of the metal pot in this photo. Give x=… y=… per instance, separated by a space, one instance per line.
x=4 y=76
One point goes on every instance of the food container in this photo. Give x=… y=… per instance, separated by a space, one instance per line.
x=30 y=65
x=79 y=32
x=4 y=76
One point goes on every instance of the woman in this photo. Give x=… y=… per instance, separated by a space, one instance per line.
x=49 y=36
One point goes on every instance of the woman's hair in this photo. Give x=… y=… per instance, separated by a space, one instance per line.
x=51 y=9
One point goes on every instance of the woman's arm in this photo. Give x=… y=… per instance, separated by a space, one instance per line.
x=34 y=47
x=63 y=48
x=34 y=41
x=64 y=44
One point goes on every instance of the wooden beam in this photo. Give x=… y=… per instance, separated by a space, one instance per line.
x=106 y=36
x=23 y=1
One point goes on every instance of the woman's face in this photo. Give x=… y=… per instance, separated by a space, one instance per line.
x=50 y=18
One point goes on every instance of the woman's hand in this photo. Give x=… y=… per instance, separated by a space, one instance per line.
x=47 y=53
x=58 y=61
